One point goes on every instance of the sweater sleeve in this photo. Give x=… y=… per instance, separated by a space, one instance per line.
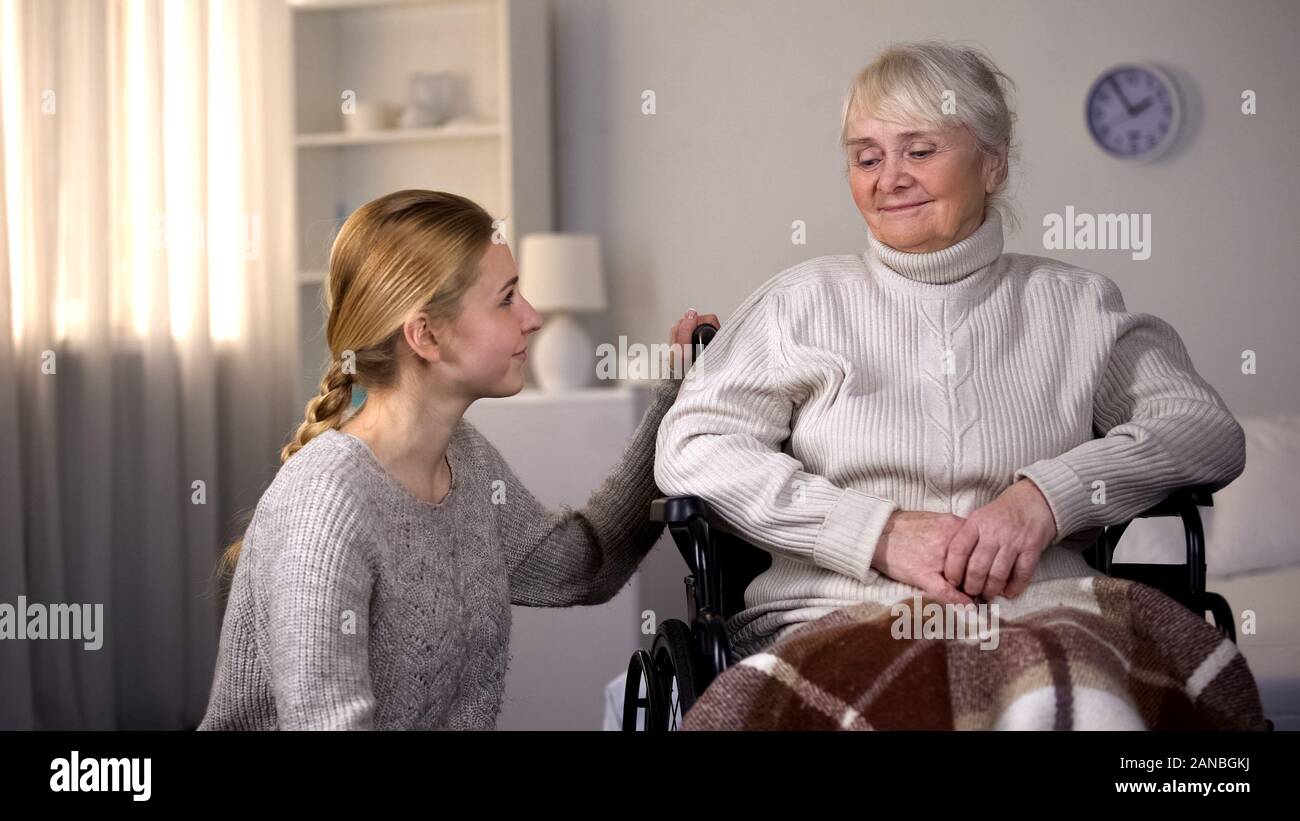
x=1161 y=427
x=317 y=589
x=584 y=557
x=723 y=441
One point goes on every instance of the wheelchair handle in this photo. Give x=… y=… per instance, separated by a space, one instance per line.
x=701 y=337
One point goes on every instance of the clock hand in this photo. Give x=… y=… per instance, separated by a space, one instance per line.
x=1120 y=92
x=1143 y=106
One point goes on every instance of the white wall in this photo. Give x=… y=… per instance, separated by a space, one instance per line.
x=695 y=203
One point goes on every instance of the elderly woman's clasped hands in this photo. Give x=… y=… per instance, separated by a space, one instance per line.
x=993 y=552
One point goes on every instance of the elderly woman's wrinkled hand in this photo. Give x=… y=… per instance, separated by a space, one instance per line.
x=912 y=549
x=997 y=549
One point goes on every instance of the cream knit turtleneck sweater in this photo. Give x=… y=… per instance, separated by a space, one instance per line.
x=851 y=386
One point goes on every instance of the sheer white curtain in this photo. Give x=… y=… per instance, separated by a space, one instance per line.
x=147 y=335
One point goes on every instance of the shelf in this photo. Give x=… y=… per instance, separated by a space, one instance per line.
x=311 y=277
x=352 y=5
x=330 y=139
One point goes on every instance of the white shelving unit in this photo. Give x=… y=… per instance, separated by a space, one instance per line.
x=499 y=51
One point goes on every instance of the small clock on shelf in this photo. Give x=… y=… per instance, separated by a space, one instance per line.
x=1133 y=112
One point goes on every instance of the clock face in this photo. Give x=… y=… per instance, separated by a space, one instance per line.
x=1132 y=112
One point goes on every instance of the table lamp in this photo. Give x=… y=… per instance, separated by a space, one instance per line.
x=561 y=275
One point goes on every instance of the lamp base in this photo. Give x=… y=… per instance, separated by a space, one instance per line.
x=562 y=355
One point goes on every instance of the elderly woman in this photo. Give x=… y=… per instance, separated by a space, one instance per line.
x=933 y=415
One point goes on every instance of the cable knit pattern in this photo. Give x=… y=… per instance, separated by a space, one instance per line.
x=356 y=605
x=948 y=397
x=851 y=386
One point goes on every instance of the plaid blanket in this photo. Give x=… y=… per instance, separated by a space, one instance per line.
x=1097 y=653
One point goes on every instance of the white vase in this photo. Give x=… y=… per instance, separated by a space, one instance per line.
x=429 y=101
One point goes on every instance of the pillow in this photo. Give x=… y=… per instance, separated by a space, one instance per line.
x=1252 y=526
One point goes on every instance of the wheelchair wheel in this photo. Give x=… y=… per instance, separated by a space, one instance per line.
x=639 y=692
x=673 y=654
x=661 y=684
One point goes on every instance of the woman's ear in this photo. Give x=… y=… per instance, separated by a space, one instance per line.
x=995 y=169
x=422 y=338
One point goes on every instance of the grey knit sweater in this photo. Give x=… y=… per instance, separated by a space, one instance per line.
x=357 y=605
x=851 y=386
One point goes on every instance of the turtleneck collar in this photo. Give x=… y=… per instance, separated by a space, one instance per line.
x=953 y=265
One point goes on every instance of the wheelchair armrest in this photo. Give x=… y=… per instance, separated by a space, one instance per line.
x=1186 y=585
x=1175 y=503
x=687 y=518
x=1183 y=503
x=677 y=509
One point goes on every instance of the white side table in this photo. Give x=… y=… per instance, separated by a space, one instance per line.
x=562 y=446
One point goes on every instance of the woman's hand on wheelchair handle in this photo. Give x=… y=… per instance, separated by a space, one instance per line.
x=996 y=551
x=913 y=548
x=679 y=336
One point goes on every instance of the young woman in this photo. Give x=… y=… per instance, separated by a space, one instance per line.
x=373 y=586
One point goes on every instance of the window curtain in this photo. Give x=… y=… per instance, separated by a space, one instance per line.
x=147 y=336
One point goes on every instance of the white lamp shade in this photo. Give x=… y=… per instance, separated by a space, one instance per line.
x=562 y=272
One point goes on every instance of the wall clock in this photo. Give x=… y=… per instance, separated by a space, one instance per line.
x=1133 y=111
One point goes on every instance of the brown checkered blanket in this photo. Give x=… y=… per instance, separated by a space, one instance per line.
x=1099 y=653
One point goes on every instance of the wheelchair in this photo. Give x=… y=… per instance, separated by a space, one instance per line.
x=684 y=659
